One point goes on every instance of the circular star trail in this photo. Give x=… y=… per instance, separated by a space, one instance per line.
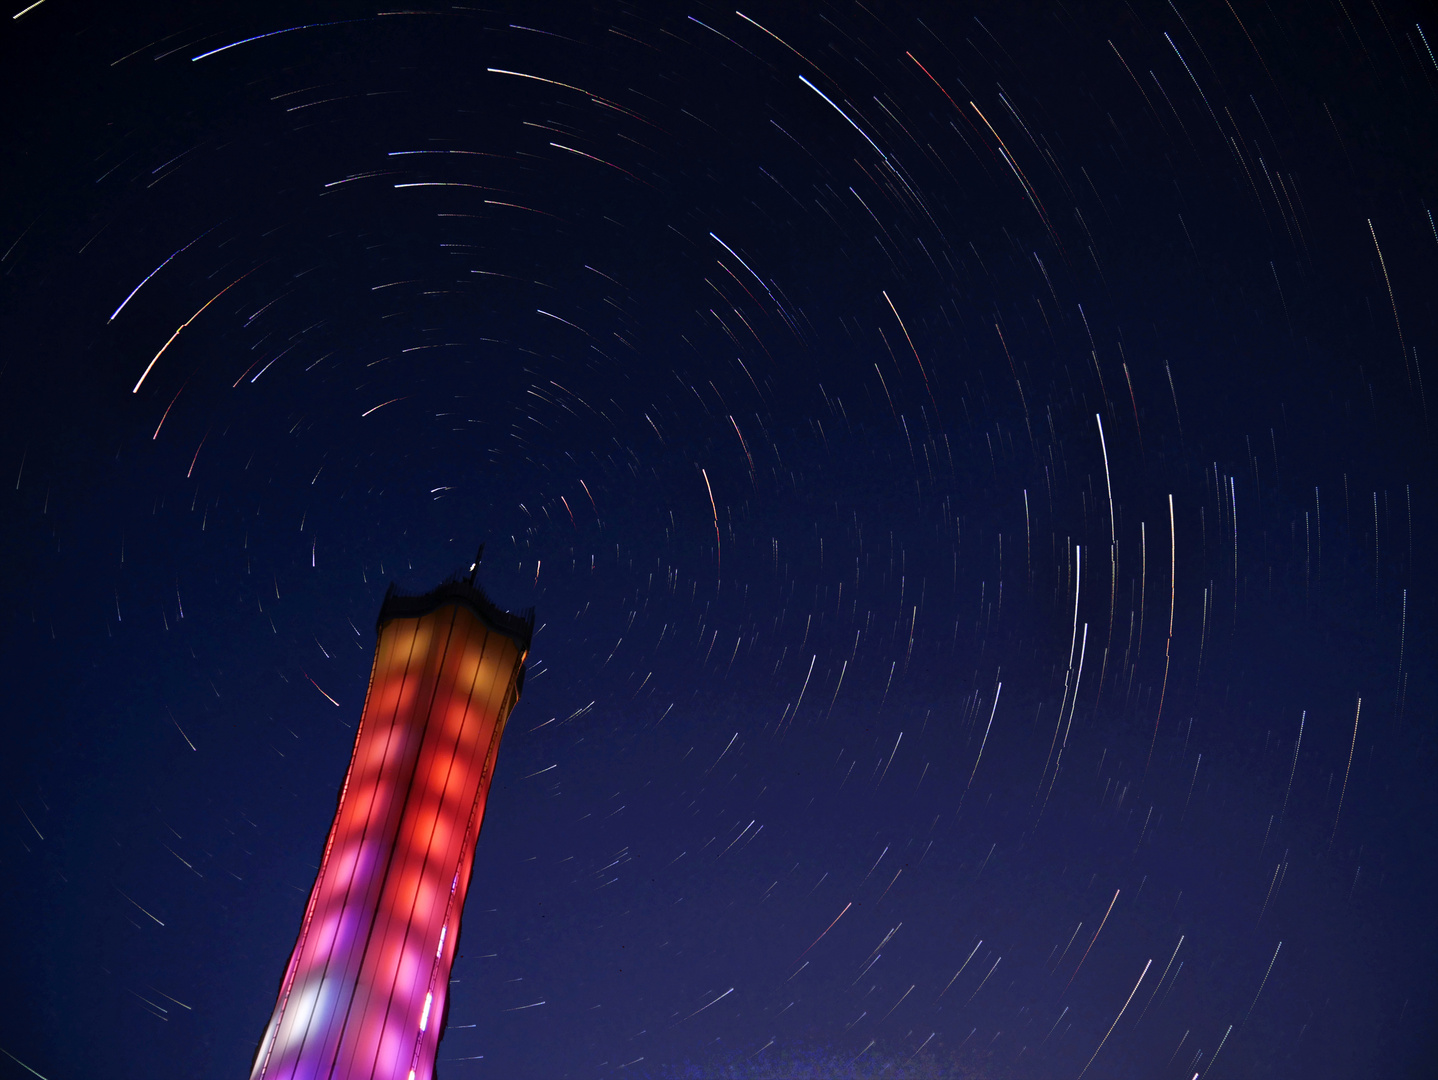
x=972 y=466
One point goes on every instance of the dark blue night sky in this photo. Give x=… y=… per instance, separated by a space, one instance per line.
x=969 y=462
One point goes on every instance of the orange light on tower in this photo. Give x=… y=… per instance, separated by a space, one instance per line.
x=365 y=990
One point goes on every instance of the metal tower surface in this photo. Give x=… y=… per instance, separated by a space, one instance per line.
x=364 y=994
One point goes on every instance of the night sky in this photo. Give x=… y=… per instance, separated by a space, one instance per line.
x=972 y=464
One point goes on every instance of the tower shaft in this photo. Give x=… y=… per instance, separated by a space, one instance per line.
x=364 y=994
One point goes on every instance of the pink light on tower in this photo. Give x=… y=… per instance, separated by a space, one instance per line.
x=364 y=994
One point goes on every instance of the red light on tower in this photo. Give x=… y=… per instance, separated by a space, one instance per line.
x=364 y=992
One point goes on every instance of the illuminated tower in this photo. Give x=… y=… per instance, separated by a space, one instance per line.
x=365 y=990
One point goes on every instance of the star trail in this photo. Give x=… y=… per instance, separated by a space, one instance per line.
x=972 y=466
